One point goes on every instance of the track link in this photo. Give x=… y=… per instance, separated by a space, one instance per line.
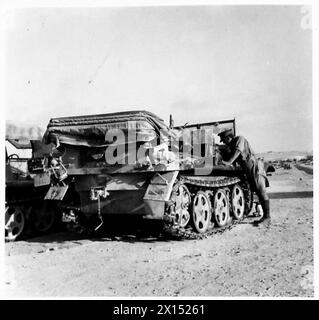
x=209 y=186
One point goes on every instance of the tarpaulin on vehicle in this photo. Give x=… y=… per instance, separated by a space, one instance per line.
x=91 y=130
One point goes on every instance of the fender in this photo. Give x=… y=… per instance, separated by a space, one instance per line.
x=158 y=193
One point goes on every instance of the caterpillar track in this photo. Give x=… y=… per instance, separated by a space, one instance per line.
x=176 y=232
x=201 y=207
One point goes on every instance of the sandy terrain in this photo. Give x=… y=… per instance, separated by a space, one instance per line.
x=242 y=261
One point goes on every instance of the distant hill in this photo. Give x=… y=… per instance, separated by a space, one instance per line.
x=276 y=155
x=24 y=132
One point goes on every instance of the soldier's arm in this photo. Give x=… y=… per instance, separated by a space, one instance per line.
x=232 y=158
x=239 y=149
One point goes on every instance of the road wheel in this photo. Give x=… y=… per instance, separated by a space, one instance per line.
x=182 y=201
x=238 y=202
x=249 y=196
x=43 y=217
x=14 y=223
x=221 y=208
x=201 y=212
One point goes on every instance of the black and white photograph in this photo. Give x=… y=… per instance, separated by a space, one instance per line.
x=158 y=150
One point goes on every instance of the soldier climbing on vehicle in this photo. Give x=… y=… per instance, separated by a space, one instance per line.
x=241 y=152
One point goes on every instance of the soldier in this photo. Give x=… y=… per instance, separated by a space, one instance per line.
x=242 y=153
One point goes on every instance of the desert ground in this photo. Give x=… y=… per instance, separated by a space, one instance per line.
x=241 y=261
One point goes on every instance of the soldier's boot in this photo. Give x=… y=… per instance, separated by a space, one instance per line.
x=265 y=220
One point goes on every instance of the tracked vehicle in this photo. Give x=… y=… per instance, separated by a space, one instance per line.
x=132 y=163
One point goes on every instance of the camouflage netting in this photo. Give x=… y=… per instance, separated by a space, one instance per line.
x=91 y=130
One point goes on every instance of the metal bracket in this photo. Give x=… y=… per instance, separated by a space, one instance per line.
x=95 y=194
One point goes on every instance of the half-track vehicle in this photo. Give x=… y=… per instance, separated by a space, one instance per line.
x=133 y=163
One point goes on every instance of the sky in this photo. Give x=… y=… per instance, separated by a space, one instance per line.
x=198 y=63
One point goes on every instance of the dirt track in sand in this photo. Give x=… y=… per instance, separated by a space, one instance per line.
x=242 y=261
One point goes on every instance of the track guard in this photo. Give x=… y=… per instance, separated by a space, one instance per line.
x=157 y=193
